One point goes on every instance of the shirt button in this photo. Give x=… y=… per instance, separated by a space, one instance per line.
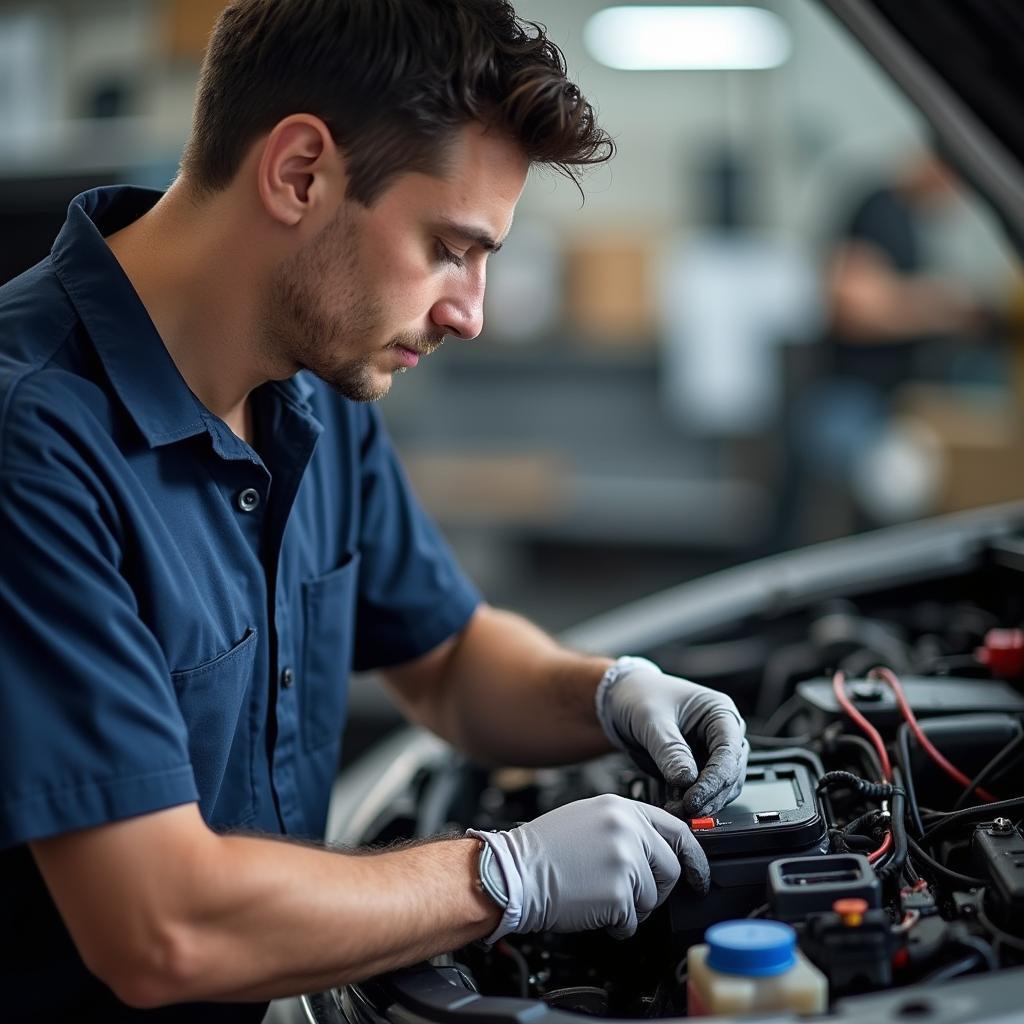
x=287 y=676
x=249 y=499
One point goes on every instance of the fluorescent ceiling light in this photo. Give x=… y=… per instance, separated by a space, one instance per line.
x=687 y=38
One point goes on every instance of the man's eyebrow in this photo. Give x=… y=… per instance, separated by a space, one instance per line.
x=477 y=236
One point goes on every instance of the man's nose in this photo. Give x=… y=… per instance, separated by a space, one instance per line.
x=461 y=315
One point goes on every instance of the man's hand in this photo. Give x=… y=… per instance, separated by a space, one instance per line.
x=606 y=862
x=650 y=714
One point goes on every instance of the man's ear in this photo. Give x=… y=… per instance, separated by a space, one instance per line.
x=300 y=171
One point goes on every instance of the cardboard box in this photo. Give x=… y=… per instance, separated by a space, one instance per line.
x=981 y=441
x=610 y=286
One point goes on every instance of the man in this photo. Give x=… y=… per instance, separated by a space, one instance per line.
x=887 y=306
x=205 y=527
x=893 y=318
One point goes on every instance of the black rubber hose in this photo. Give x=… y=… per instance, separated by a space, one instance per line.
x=871 y=790
x=898 y=823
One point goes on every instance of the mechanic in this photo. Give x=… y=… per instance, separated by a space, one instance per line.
x=205 y=527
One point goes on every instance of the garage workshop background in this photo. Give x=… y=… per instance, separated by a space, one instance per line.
x=654 y=395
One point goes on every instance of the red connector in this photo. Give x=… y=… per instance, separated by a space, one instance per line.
x=1003 y=653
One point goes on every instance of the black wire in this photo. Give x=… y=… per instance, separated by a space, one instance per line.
x=983 y=776
x=953 y=878
x=903 y=758
x=981 y=812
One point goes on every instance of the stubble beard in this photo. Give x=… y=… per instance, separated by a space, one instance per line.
x=297 y=328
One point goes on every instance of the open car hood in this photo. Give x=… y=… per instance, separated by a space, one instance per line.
x=959 y=62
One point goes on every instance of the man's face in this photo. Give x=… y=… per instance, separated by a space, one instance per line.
x=381 y=287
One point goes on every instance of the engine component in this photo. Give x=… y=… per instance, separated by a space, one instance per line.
x=998 y=848
x=1003 y=652
x=935 y=907
x=777 y=812
x=852 y=945
x=811 y=885
x=752 y=965
x=928 y=696
x=969 y=741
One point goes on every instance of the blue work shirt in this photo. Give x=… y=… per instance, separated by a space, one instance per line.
x=179 y=611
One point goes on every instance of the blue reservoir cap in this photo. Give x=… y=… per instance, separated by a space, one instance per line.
x=754 y=948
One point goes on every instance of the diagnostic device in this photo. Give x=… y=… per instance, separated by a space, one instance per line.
x=777 y=814
x=776 y=811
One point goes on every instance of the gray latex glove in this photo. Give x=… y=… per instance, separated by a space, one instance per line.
x=606 y=862
x=646 y=712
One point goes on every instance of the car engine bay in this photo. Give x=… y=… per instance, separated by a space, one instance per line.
x=881 y=813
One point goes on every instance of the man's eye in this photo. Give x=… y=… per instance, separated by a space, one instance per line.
x=445 y=255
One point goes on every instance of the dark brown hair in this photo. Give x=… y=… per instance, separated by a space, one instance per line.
x=392 y=79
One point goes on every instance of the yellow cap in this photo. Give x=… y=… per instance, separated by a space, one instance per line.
x=851 y=910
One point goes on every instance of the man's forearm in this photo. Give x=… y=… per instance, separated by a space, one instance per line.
x=297 y=919
x=512 y=695
x=164 y=910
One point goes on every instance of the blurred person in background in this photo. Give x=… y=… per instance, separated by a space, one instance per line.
x=205 y=526
x=893 y=318
x=887 y=302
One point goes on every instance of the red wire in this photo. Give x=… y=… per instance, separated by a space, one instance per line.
x=889 y=678
x=838 y=687
x=882 y=850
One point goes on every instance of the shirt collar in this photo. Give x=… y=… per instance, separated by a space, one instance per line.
x=127 y=342
x=133 y=354
x=298 y=390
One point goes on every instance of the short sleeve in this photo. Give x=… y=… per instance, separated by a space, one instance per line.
x=412 y=593
x=887 y=223
x=90 y=731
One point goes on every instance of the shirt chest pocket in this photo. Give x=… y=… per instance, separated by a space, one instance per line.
x=212 y=697
x=328 y=604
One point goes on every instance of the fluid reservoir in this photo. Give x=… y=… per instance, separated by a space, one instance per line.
x=752 y=965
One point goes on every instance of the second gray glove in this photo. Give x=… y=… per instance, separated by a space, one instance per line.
x=606 y=862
